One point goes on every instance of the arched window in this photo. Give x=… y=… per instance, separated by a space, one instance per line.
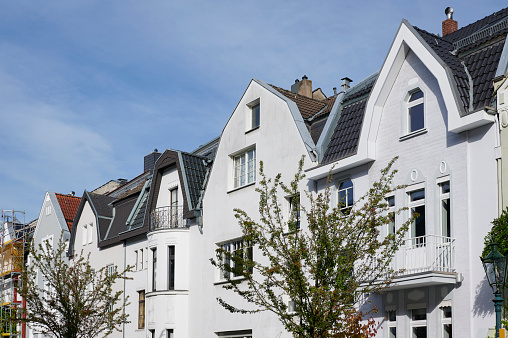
x=415 y=108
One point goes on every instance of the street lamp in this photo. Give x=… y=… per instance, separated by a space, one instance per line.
x=495 y=268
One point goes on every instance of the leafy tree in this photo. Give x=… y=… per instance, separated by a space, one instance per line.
x=325 y=269
x=498 y=233
x=77 y=301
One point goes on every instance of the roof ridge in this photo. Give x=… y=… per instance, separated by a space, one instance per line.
x=296 y=94
x=485 y=17
x=67 y=195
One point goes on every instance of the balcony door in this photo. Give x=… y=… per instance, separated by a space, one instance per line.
x=174 y=205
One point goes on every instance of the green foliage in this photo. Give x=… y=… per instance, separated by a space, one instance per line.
x=78 y=301
x=498 y=234
x=326 y=266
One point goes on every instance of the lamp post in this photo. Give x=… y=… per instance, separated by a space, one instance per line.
x=495 y=268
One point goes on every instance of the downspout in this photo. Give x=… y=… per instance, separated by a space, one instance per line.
x=124 y=280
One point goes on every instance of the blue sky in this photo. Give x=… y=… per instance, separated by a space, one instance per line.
x=87 y=88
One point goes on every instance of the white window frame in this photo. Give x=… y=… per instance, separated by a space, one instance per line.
x=443 y=196
x=391 y=323
x=90 y=233
x=48 y=209
x=244 y=173
x=446 y=320
x=391 y=211
x=293 y=210
x=417 y=323
x=412 y=104
x=251 y=121
x=346 y=208
x=232 y=247
x=414 y=204
x=85 y=234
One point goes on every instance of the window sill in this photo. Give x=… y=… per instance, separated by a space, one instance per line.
x=255 y=128
x=243 y=186
x=227 y=282
x=413 y=134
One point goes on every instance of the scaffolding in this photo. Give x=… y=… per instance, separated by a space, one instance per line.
x=13 y=249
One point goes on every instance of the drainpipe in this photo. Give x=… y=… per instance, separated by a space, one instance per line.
x=494 y=112
x=124 y=280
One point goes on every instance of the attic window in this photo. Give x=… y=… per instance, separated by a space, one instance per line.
x=253 y=116
x=415 y=108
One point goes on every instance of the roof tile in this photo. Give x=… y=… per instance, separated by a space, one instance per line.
x=69 y=205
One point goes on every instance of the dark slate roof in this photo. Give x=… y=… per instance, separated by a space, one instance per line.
x=100 y=204
x=479 y=46
x=482 y=66
x=443 y=48
x=344 y=140
x=194 y=169
x=308 y=107
x=316 y=128
x=471 y=29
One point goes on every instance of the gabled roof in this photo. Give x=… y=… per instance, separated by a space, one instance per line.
x=473 y=54
x=69 y=205
x=192 y=173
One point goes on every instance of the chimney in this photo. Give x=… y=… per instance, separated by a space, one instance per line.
x=295 y=87
x=346 y=83
x=334 y=91
x=150 y=160
x=305 y=87
x=73 y=193
x=449 y=25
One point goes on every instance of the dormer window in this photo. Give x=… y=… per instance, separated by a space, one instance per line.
x=415 y=108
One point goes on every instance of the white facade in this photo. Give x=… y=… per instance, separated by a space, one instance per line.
x=277 y=142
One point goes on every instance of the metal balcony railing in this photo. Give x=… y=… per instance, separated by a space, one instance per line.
x=428 y=253
x=167 y=218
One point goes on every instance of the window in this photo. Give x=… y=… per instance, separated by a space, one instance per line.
x=255 y=116
x=416 y=118
x=391 y=319
x=90 y=233
x=236 y=253
x=169 y=333
x=141 y=259
x=390 y=200
x=417 y=206
x=444 y=194
x=47 y=241
x=85 y=234
x=152 y=333
x=235 y=334
x=447 y=321
x=136 y=260
x=244 y=168
x=419 y=323
x=110 y=269
x=154 y=269
x=171 y=267
x=48 y=209
x=294 y=210
x=174 y=206
x=346 y=199
x=141 y=310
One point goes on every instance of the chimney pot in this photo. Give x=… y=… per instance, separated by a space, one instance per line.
x=305 y=77
x=73 y=193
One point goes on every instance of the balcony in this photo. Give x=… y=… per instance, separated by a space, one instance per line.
x=426 y=260
x=168 y=217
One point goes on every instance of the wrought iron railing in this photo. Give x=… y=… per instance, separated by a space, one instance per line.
x=167 y=218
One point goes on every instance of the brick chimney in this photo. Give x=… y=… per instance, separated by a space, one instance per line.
x=449 y=25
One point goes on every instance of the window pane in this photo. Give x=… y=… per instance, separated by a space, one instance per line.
x=393 y=332
x=445 y=217
x=390 y=201
x=391 y=225
x=420 y=332
x=419 y=314
x=171 y=267
x=447 y=312
x=416 y=95
x=416 y=120
x=447 y=331
x=419 y=222
x=255 y=116
x=417 y=195
x=392 y=316
x=445 y=187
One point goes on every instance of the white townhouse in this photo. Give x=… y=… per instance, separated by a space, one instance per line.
x=55 y=220
x=272 y=125
x=432 y=104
